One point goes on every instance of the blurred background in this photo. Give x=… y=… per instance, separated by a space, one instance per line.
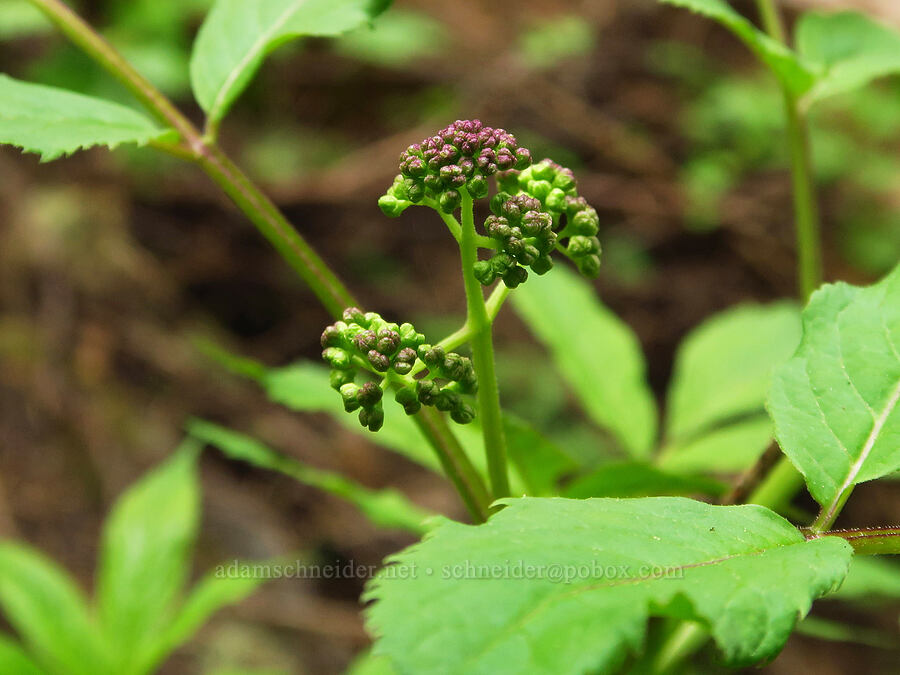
x=113 y=266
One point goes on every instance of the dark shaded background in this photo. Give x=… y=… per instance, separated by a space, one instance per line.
x=113 y=265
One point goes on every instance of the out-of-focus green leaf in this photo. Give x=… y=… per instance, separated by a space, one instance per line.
x=15 y=661
x=385 y=508
x=539 y=460
x=19 y=18
x=837 y=631
x=633 y=479
x=836 y=404
x=795 y=74
x=371 y=664
x=50 y=613
x=207 y=597
x=852 y=48
x=871 y=578
x=554 y=39
x=723 y=368
x=53 y=122
x=145 y=556
x=729 y=449
x=396 y=39
x=595 y=351
x=237 y=36
x=567 y=585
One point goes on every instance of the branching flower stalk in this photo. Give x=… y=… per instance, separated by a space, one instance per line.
x=193 y=146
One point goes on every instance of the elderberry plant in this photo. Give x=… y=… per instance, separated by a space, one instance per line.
x=569 y=576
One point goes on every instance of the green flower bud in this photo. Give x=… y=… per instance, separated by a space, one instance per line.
x=556 y=200
x=350 y=396
x=409 y=337
x=388 y=341
x=426 y=392
x=542 y=265
x=515 y=276
x=379 y=361
x=339 y=378
x=580 y=246
x=391 y=206
x=539 y=189
x=402 y=367
x=372 y=418
x=502 y=264
x=433 y=356
x=331 y=337
x=543 y=170
x=365 y=341
x=477 y=187
x=449 y=201
x=446 y=400
x=355 y=315
x=585 y=222
x=369 y=394
x=407 y=398
x=463 y=413
x=484 y=272
x=337 y=358
x=589 y=265
x=415 y=193
x=497 y=202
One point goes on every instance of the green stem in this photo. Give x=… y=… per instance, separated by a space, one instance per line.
x=483 y=355
x=868 y=541
x=686 y=639
x=267 y=218
x=806 y=210
x=778 y=488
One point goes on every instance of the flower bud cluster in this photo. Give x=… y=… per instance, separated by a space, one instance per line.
x=462 y=155
x=574 y=219
x=525 y=237
x=365 y=341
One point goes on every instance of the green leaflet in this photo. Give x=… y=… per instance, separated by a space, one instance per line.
x=724 y=367
x=852 y=48
x=49 y=612
x=633 y=479
x=385 y=508
x=794 y=73
x=54 y=122
x=596 y=353
x=237 y=35
x=871 y=578
x=460 y=602
x=836 y=404
x=728 y=449
x=145 y=556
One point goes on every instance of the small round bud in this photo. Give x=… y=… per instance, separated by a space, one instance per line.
x=373 y=418
x=580 y=246
x=369 y=394
x=543 y=170
x=589 y=265
x=426 y=392
x=388 y=341
x=463 y=413
x=337 y=358
x=354 y=315
x=449 y=201
x=339 y=378
x=365 y=341
x=542 y=265
x=406 y=355
x=379 y=361
x=484 y=272
x=477 y=187
x=523 y=158
x=556 y=200
x=401 y=367
x=350 y=397
x=415 y=193
x=498 y=200
x=433 y=356
x=391 y=206
x=539 y=189
x=585 y=222
x=331 y=337
x=502 y=263
x=515 y=276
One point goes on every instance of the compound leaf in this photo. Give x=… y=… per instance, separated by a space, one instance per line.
x=566 y=586
x=852 y=49
x=836 y=404
x=54 y=122
x=237 y=35
x=596 y=352
x=385 y=508
x=793 y=73
x=145 y=555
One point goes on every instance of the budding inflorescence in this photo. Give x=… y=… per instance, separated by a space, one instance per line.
x=535 y=210
x=366 y=342
x=574 y=219
x=462 y=155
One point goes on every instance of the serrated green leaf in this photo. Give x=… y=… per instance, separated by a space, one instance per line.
x=597 y=354
x=145 y=556
x=793 y=73
x=634 y=479
x=836 y=404
x=871 y=578
x=566 y=586
x=724 y=450
x=385 y=508
x=852 y=48
x=14 y=660
x=54 y=122
x=237 y=36
x=49 y=612
x=724 y=367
